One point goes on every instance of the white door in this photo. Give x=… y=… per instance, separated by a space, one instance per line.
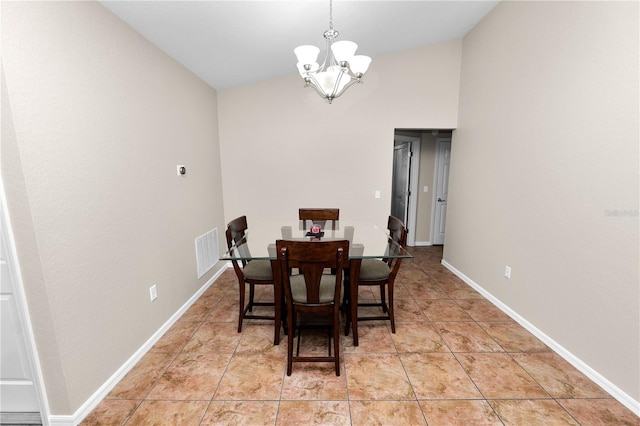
x=442 y=190
x=400 y=185
x=18 y=395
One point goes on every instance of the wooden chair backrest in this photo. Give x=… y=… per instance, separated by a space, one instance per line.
x=312 y=257
x=236 y=230
x=398 y=235
x=318 y=216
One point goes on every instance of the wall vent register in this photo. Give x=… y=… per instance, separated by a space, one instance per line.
x=207 y=253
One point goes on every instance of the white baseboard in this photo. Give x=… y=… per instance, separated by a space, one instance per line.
x=422 y=243
x=104 y=390
x=592 y=374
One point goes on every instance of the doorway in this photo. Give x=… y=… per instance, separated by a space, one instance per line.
x=406 y=158
x=420 y=178
x=441 y=192
x=20 y=388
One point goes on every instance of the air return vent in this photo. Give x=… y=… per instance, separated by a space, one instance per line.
x=207 y=251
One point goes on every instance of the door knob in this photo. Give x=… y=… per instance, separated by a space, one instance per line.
x=441 y=200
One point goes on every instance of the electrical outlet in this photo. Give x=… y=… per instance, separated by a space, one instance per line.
x=153 y=292
x=507 y=272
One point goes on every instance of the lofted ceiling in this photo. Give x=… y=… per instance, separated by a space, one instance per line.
x=232 y=43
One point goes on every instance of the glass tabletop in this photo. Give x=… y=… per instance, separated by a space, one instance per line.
x=366 y=239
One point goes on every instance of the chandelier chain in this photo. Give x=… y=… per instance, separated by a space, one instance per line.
x=331 y=14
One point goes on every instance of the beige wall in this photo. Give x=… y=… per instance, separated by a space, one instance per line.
x=94 y=121
x=283 y=147
x=544 y=175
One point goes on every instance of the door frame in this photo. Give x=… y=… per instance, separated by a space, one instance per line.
x=414 y=174
x=434 y=196
x=24 y=318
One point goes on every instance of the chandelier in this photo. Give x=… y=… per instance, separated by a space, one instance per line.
x=340 y=69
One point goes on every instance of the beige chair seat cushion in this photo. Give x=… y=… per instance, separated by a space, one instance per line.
x=327 y=286
x=374 y=270
x=259 y=269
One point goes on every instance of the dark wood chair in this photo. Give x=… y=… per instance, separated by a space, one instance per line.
x=382 y=273
x=312 y=297
x=319 y=216
x=252 y=273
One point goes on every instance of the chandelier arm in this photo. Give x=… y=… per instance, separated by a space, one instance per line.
x=346 y=86
x=334 y=91
x=313 y=82
x=327 y=57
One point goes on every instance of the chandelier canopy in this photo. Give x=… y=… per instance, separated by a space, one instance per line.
x=340 y=69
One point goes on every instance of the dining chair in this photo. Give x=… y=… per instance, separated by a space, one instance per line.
x=312 y=297
x=319 y=216
x=382 y=273
x=252 y=273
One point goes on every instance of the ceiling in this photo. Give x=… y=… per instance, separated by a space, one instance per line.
x=232 y=43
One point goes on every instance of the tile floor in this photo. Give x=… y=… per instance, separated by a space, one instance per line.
x=454 y=359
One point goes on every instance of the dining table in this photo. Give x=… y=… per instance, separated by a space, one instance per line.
x=367 y=240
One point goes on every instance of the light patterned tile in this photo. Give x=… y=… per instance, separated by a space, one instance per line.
x=417 y=337
x=425 y=289
x=258 y=338
x=498 y=376
x=137 y=383
x=407 y=310
x=240 y=413
x=252 y=377
x=443 y=310
x=199 y=310
x=459 y=413
x=111 y=412
x=558 y=377
x=315 y=381
x=532 y=412
x=214 y=337
x=313 y=413
x=191 y=376
x=513 y=337
x=168 y=413
x=371 y=338
x=483 y=310
x=226 y=310
x=464 y=293
x=600 y=412
x=388 y=413
x=466 y=337
x=377 y=376
x=438 y=376
x=176 y=337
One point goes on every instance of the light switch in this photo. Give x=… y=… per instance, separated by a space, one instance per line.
x=425 y=189
x=377 y=194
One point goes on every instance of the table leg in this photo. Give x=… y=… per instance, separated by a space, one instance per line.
x=354 y=275
x=278 y=298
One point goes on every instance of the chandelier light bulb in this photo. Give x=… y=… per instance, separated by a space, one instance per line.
x=307 y=54
x=343 y=50
x=359 y=64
